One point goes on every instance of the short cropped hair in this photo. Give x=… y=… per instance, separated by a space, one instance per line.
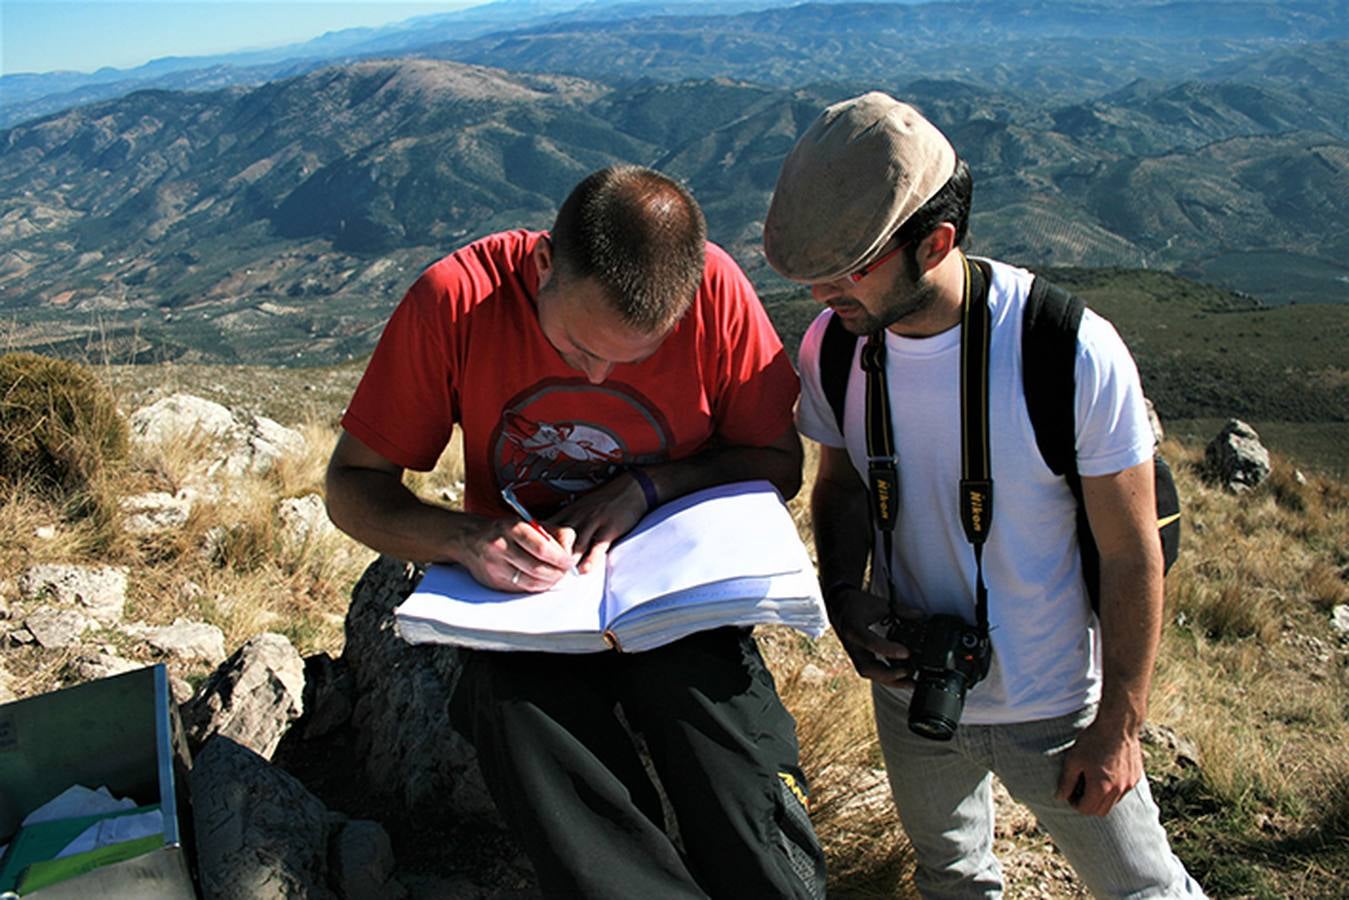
x=641 y=236
x=951 y=204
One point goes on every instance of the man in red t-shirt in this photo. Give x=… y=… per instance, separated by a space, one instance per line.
x=614 y=363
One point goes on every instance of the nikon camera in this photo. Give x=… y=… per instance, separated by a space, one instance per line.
x=948 y=657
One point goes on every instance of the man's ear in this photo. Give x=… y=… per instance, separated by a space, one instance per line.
x=934 y=248
x=543 y=260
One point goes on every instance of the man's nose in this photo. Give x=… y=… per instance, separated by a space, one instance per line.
x=596 y=371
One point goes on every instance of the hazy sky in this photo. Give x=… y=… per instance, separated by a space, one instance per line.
x=84 y=35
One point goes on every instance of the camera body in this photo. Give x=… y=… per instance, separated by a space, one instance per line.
x=947 y=657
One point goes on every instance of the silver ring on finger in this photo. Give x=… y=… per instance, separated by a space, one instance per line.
x=515 y=578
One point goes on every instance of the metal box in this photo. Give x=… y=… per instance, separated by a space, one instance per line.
x=122 y=732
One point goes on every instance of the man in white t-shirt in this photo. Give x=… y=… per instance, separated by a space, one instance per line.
x=870 y=210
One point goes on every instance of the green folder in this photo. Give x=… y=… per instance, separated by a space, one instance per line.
x=35 y=845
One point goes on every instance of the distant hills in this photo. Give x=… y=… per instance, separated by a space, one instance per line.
x=280 y=222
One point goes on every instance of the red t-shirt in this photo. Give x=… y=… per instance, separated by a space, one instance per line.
x=465 y=347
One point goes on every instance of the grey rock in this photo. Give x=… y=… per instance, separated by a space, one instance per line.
x=1236 y=458
x=1182 y=749
x=91 y=667
x=304 y=520
x=183 y=639
x=410 y=752
x=179 y=417
x=1154 y=420
x=1339 y=619
x=260 y=834
x=361 y=862
x=257 y=446
x=252 y=698
x=156 y=511
x=6 y=687
x=99 y=591
x=328 y=688
x=20 y=637
x=53 y=628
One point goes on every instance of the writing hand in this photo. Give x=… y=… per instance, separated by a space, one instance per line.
x=1099 y=769
x=599 y=518
x=508 y=554
x=854 y=614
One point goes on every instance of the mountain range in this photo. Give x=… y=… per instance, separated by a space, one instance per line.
x=279 y=222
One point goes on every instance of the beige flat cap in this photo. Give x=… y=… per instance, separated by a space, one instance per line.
x=860 y=170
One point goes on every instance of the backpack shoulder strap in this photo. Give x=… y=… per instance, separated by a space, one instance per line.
x=837 y=349
x=1049 y=367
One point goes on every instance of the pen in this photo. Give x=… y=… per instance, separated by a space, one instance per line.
x=508 y=494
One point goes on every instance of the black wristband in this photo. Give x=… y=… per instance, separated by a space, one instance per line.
x=648 y=488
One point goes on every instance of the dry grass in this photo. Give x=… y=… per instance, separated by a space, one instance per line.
x=1249 y=671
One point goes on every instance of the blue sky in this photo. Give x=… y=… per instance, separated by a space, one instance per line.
x=84 y=35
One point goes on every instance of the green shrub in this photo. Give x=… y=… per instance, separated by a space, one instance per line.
x=60 y=431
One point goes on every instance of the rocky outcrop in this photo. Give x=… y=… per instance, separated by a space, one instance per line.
x=97 y=591
x=251 y=699
x=1235 y=458
x=261 y=835
x=400 y=704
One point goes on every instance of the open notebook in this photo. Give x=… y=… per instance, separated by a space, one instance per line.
x=728 y=555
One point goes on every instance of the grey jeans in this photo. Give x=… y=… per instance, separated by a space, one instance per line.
x=943 y=791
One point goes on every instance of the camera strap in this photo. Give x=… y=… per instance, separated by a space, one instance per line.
x=976 y=481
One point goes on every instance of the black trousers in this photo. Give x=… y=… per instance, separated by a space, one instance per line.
x=568 y=780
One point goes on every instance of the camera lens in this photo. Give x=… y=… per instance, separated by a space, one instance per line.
x=937 y=703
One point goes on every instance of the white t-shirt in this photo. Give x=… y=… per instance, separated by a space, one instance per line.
x=1046 y=651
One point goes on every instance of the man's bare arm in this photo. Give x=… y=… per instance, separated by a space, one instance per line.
x=367 y=499
x=843 y=538
x=1107 y=759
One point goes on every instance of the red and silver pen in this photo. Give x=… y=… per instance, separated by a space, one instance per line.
x=508 y=494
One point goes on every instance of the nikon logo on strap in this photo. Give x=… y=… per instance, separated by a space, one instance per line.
x=976 y=508
x=884 y=491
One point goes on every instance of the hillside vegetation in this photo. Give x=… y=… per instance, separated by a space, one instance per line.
x=1249 y=759
x=278 y=223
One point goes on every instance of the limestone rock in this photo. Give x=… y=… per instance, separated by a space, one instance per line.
x=328 y=688
x=98 y=591
x=304 y=520
x=179 y=417
x=1339 y=620
x=361 y=862
x=404 y=738
x=156 y=511
x=252 y=698
x=1155 y=421
x=256 y=446
x=1236 y=458
x=93 y=666
x=54 y=628
x=260 y=834
x=183 y=639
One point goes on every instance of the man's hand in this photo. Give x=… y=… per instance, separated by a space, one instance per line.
x=509 y=554
x=856 y=617
x=596 y=519
x=1100 y=768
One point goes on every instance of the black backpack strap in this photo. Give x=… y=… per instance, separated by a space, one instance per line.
x=837 y=349
x=1049 y=380
x=1049 y=373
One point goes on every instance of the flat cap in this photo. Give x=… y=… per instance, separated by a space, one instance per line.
x=860 y=170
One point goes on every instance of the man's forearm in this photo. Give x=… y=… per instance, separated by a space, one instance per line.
x=377 y=509
x=839 y=515
x=1131 y=623
x=778 y=462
